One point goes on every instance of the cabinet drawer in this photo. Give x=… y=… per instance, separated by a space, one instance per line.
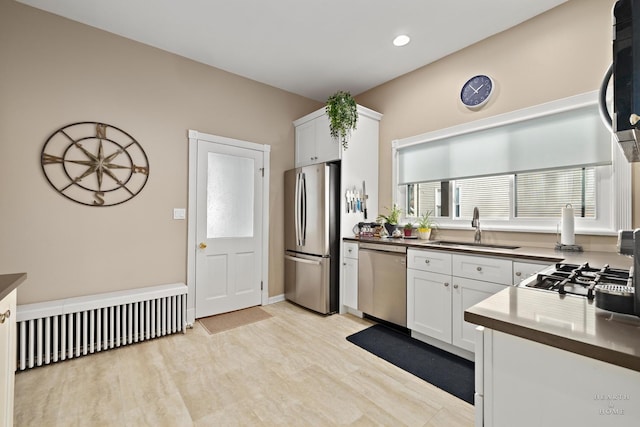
x=350 y=250
x=487 y=269
x=523 y=270
x=433 y=261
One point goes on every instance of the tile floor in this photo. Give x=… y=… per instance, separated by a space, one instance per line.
x=295 y=368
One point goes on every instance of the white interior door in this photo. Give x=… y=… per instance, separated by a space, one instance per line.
x=229 y=228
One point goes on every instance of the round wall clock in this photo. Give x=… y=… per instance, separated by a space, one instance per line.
x=476 y=91
x=94 y=164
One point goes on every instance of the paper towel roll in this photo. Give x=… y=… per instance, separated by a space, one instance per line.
x=567 y=232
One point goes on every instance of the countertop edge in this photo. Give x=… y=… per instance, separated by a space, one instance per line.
x=582 y=348
x=542 y=255
x=9 y=282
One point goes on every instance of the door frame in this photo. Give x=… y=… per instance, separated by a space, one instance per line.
x=192 y=247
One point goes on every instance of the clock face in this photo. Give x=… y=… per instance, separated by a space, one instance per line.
x=476 y=91
x=94 y=164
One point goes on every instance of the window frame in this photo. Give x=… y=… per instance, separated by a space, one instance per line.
x=613 y=182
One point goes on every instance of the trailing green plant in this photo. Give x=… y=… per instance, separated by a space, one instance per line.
x=393 y=217
x=342 y=111
x=425 y=220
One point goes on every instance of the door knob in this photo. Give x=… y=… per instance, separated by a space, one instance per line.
x=202 y=245
x=4 y=316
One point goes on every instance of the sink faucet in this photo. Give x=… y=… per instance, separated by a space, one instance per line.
x=475 y=222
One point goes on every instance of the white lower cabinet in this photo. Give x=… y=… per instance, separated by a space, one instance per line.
x=7 y=357
x=350 y=275
x=467 y=293
x=437 y=296
x=429 y=304
x=524 y=270
x=528 y=384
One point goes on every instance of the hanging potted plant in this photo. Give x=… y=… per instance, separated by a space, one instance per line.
x=343 y=116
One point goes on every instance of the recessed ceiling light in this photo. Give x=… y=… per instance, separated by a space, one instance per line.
x=401 y=40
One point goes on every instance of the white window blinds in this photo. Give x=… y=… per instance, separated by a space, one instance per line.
x=571 y=138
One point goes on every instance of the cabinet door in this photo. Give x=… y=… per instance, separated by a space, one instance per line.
x=305 y=149
x=487 y=269
x=350 y=277
x=350 y=250
x=326 y=148
x=467 y=293
x=429 y=304
x=7 y=358
x=523 y=270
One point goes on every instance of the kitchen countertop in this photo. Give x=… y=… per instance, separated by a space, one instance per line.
x=523 y=252
x=566 y=322
x=8 y=282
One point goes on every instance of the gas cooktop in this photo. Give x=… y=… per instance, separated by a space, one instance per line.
x=580 y=280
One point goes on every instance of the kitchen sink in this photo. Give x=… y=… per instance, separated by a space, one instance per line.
x=471 y=244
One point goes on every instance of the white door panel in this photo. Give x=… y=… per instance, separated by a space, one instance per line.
x=229 y=228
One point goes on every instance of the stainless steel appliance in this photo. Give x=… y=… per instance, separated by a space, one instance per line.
x=580 y=280
x=613 y=289
x=382 y=282
x=311 y=236
x=625 y=73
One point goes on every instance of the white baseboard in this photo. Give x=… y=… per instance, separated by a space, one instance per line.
x=275 y=299
x=353 y=312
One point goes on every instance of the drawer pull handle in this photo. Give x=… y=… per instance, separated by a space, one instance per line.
x=518 y=274
x=446 y=284
x=426 y=261
x=350 y=250
x=479 y=268
x=455 y=286
x=5 y=316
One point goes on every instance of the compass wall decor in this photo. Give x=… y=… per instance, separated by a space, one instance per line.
x=94 y=164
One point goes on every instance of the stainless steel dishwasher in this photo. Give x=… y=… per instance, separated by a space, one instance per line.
x=382 y=282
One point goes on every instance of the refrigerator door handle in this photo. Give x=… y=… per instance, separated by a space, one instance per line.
x=297 y=209
x=301 y=260
x=304 y=209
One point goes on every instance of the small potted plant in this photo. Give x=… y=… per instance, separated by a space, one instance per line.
x=425 y=224
x=391 y=221
x=408 y=228
x=342 y=111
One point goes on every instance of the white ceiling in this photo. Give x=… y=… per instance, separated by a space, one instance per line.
x=311 y=48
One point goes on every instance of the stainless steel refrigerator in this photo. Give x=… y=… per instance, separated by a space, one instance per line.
x=311 y=236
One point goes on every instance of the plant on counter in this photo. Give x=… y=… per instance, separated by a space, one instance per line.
x=425 y=224
x=343 y=116
x=393 y=217
x=391 y=221
x=408 y=228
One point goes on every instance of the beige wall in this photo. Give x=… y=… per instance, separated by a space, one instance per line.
x=55 y=72
x=561 y=53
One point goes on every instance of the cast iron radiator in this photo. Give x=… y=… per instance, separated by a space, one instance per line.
x=54 y=331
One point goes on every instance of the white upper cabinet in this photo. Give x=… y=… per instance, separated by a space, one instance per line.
x=313 y=141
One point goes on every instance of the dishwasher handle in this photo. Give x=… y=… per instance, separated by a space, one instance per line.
x=381 y=247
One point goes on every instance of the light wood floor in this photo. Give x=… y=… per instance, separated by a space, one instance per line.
x=293 y=369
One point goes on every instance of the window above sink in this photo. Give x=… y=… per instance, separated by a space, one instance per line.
x=597 y=187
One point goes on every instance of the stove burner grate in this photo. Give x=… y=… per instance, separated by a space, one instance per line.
x=580 y=280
